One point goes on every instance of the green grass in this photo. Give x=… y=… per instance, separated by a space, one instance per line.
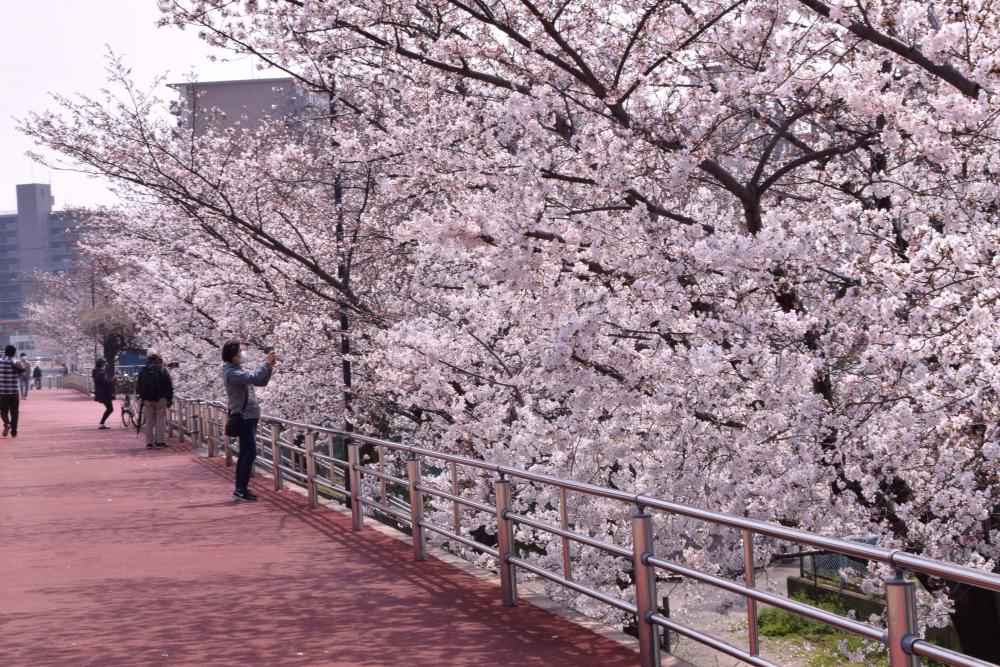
x=822 y=640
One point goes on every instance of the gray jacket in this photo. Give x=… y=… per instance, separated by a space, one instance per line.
x=239 y=388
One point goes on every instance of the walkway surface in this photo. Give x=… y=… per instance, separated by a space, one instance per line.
x=112 y=554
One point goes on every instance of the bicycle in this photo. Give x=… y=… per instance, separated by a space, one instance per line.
x=130 y=412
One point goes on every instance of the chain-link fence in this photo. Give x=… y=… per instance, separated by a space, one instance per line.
x=834 y=567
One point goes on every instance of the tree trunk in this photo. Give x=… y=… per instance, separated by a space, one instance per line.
x=113 y=345
x=977 y=621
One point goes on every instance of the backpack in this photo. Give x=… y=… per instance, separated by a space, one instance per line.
x=149 y=384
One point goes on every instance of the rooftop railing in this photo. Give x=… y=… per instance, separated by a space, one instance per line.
x=305 y=454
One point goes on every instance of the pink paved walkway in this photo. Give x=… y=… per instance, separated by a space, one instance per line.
x=114 y=555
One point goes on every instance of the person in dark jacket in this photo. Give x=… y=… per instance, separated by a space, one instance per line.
x=37 y=375
x=24 y=379
x=156 y=390
x=104 y=390
x=241 y=401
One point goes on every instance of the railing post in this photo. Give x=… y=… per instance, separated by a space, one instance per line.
x=901 y=613
x=229 y=451
x=220 y=428
x=212 y=432
x=416 y=508
x=354 y=460
x=645 y=587
x=750 y=581
x=456 y=515
x=276 y=457
x=564 y=524
x=203 y=424
x=200 y=425
x=505 y=544
x=206 y=425
x=381 y=468
x=310 y=442
x=198 y=438
x=181 y=412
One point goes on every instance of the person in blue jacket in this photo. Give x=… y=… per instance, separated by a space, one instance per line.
x=242 y=402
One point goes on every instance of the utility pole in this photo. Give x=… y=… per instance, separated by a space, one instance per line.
x=93 y=300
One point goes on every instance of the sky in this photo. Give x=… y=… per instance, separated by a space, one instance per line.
x=59 y=46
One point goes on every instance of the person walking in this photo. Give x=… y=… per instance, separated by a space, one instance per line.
x=24 y=379
x=156 y=390
x=104 y=390
x=37 y=375
x=243 y=407
x=10 y=398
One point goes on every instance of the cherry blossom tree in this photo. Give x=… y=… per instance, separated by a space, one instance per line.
x=78 y=313
x=738 y=254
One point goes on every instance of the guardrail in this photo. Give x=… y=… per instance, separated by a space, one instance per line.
x=47 y=382
x=292 y=450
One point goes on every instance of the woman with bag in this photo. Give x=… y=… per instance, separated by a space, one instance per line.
x=244 y=411
x=104 y=391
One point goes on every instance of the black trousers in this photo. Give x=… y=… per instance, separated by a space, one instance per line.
x=248 y=453
x=10 y=408
x=108 y=409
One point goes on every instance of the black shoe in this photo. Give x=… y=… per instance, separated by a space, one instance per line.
x=161 y=445
x=244 y=495
x=6 y=430
x=150 y=446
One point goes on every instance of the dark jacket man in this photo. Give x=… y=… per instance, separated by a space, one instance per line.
x=156 y=390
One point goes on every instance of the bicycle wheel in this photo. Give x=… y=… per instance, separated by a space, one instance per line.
x=126 y=412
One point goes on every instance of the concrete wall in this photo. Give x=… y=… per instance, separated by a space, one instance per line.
x=80 y=383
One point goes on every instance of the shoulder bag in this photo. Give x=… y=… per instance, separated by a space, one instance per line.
x=234 y=422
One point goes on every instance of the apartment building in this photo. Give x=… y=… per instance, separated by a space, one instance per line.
x=33 y=239
x=245 y=103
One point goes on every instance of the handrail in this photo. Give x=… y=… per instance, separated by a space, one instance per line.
x=900 y=636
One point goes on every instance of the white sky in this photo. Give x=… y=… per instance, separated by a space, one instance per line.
x=58 y=46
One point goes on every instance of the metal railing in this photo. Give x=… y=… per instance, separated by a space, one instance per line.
x=292 y=450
